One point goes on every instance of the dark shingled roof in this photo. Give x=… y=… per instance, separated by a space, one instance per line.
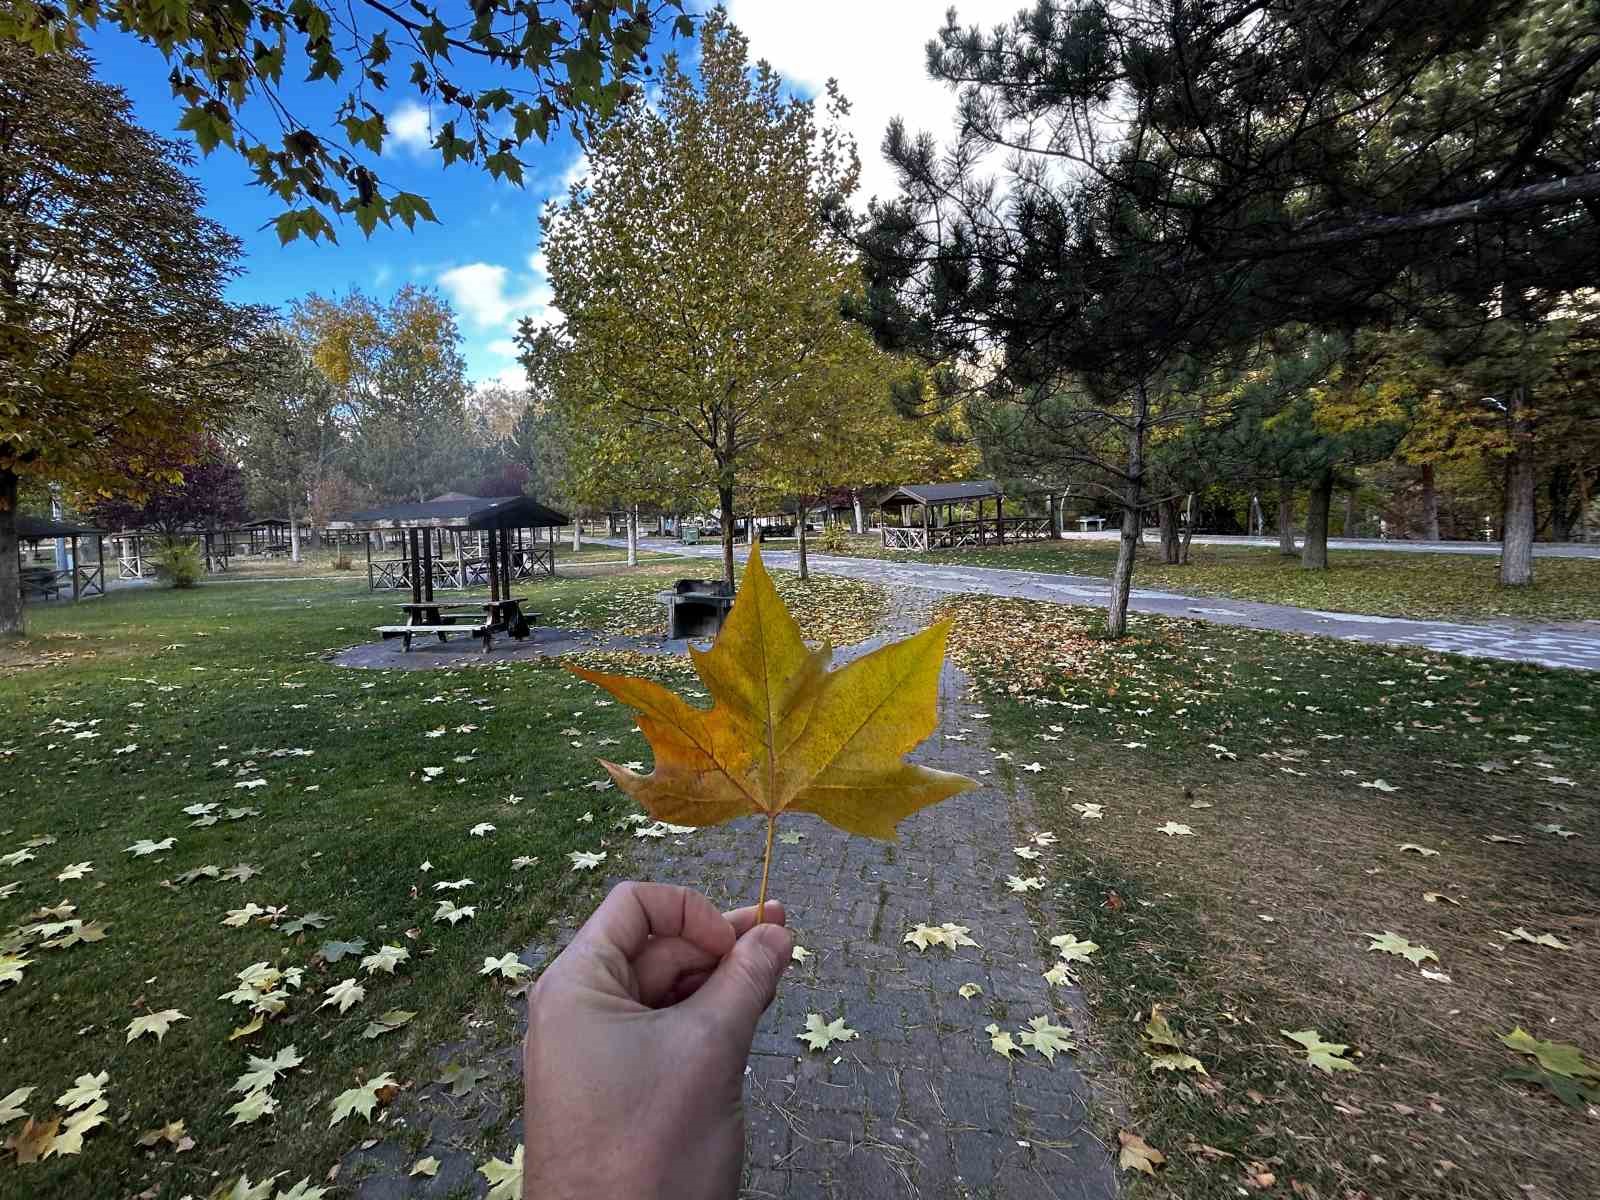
x=455 y=511
x=37 y=529
x=941 y=493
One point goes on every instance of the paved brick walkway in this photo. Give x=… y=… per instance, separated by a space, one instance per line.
x=918 y=1105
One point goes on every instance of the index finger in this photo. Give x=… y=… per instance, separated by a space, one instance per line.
x=635 y=912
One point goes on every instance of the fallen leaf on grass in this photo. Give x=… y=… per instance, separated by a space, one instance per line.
x=385 y=959
x=85 y=1090
x=1164 y=1048
x=145 y=846
x=1519 y=934
x=264 y=1072
x=505 y=966
x=1392 y=943
x=1381 y=785
x=1033 y=883
x=1173 y=829
x=172 y=1133
x=387 y=1023
x=1137 y=1154
x=33 y=1140
x=1058 y=974
x=346 y=994
x=505 y=1178
x=253 y=1107
x=427 y=1167
x=332 y=952
x=449 y=911
x=362 y=1098
x=1326 y=1057
x=799 y=954
x=1559 y=1058
x=1071 y=949
x=584 y=860
x=1414 y=848
x=157 y=1023
x=819 y=1034
x=1438 y=897
x=968 y=990
x=11 y=1104
x=69 y=1140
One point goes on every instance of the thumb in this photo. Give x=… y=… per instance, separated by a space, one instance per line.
x=745 y=981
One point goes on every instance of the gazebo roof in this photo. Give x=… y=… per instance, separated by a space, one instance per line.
x=456 y=511
x=37 y=529
x=941 y=493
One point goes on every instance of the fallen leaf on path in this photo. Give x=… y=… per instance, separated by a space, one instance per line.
x=819 y=1034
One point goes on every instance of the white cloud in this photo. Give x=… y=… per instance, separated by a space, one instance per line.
x=410 y=128
x=504 y=347
x=493 y=299
x=880 y=63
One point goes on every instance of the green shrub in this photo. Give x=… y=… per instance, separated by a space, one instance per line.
x=180 y=563
x=834 y=538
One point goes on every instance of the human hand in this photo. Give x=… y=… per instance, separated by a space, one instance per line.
x=638 y=1034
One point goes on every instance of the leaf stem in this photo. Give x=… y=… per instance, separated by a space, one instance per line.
x=766 y=865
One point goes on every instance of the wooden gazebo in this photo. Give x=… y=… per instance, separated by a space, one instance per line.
x=456 y=542
x=79 y=579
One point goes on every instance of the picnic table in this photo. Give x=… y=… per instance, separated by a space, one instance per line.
x=1085 y=522
x=481 y=619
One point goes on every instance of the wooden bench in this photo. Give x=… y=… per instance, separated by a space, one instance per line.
x=43 y=581
x=483 y=629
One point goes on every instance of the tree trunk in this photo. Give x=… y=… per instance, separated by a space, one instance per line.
x=1285 y=517
x=633 y=536
x=1516 y=537
x=1350 y=513
x=802 y=532
x=1132 y=520
x=1167 y=512
x=1314 y=555
x=725 y=516
x=1188 y=532
x=577 y=533
x=1430 y=505
x=1055 y=502
x=294 y=535
x=10 y=565
x=855 y=504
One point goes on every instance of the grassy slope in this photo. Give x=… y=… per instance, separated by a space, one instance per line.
x=212 y=687
x=1384 y=582
x=1259 y=922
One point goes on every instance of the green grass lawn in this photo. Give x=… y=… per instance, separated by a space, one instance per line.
x=212 y=718
x=1395 y=583
x=1297 y=773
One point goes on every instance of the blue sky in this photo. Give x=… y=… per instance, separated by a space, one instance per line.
x=484 y=252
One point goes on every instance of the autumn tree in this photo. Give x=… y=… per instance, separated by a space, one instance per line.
x=402 y=386
x=292 y=434
x=700 y=287
x=204 y=490
x=493 y=81
x=117 y=341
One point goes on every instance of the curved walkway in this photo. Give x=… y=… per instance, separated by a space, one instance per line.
x=1575 y=646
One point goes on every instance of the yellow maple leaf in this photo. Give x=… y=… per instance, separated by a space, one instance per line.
x=784 y=733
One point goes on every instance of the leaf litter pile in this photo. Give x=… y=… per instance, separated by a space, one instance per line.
x=1345 y=900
